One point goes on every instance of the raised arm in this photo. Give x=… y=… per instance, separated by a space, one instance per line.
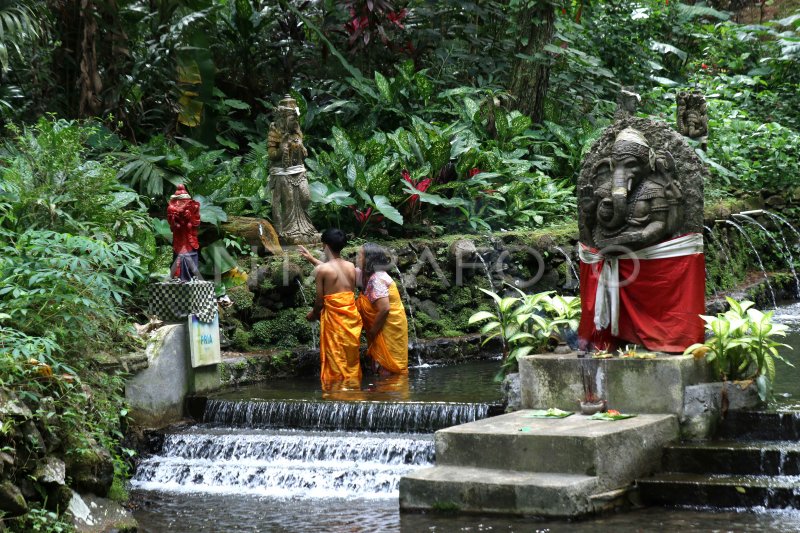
x=305 y=254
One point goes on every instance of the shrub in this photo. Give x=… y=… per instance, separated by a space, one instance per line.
x=287 y=330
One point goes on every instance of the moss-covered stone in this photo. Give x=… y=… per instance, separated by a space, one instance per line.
x=241 y=339
x=89 y=466
x=241 y=297
x=288 y=329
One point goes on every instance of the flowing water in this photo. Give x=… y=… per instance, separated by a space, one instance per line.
x=314 y=324
x=768 y=233
x=236 y=473
x=407 y=303
x=571 y=264
x=758 y=257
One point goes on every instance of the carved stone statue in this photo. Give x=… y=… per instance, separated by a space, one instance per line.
x=640 y=219
x=692 y=116
x=290 y=193
x=183 y=215
x=632 y=200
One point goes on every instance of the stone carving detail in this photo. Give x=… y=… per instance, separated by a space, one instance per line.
x=640 y=184
x=290 y=193
x=183 y=215
x=628 y=102
x=692 y=116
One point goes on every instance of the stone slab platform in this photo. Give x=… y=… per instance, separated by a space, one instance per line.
x=630 y=385
x=496 y=491
x=546 y=467
x=614 y=451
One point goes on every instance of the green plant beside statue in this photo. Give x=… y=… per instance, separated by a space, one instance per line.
x=527 y=323
x=742 y=345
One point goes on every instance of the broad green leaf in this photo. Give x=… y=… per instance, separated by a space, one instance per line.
x=480 y=315
x=384 y=88
x=384 y=206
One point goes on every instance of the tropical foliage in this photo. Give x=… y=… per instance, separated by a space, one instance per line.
x=527 y=323
x=742 y=345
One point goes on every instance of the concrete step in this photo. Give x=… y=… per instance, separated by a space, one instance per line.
x=771 y=458
x=496 y=491
x=675 y=488
x=572 y=445
x=760 y=425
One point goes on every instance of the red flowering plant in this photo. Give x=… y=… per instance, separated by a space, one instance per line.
x=366 y=218
x=372 y=18
x=421 y=185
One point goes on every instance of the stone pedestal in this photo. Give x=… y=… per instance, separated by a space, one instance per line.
x=514 y=464
x=156 y=394
x=629 y=385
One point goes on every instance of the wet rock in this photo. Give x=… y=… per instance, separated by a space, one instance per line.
x=12 y=501
x=91 y=514
x=511 y=392
x=10 y=405
x=51 y=470
x=33 y=438
x=775 y=201
x=429 y=308
x=91 y=467
x=6 y=460
x=460 y=252
x=58 y=498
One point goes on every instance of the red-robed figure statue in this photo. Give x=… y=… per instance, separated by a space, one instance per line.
x=183 y=215
x=641 y=250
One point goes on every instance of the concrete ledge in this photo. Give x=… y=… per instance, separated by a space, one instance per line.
x=514 y=464
x=616 y=452
x=496 y=491
x=156 y=394
x=630 y=385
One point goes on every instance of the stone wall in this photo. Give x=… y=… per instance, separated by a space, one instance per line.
x=269 y=308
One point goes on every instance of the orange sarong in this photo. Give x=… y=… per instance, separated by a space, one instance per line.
x=390 y=346
x=340 y=340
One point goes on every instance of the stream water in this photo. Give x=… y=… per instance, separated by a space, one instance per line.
x=338 y=468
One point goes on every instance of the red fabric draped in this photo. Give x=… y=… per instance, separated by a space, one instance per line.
x=659 y=309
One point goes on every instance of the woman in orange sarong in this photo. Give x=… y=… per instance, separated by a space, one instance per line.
x=382 y=311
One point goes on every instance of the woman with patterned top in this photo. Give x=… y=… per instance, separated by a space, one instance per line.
x=382 y=311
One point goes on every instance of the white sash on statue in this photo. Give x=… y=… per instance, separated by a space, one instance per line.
x=606 y=301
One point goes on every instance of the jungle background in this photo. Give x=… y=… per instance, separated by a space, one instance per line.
x=423 y=120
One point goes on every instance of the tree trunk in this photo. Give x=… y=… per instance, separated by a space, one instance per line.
x=256 y=231
x=89 y=81
x=530 y=77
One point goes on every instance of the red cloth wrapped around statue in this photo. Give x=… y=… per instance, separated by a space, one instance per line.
x=183 y=215
x=652 y=297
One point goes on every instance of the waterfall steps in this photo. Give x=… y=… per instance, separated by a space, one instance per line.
x=515 y=464
x=756 y=465
x=301 y=449
x=283 y=463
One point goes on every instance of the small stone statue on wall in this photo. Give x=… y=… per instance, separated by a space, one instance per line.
x=290 y=193
x=692 y=116
x=183 y=215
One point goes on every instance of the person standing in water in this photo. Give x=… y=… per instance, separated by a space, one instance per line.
x=335 y=308
x=382 y=311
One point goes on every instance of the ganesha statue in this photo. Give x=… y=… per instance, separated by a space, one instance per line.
x=640 y=223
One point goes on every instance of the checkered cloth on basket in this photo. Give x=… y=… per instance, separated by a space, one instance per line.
x=173 y=301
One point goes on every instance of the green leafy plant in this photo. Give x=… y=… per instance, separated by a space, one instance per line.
x=742 y=345
x=527 y=323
